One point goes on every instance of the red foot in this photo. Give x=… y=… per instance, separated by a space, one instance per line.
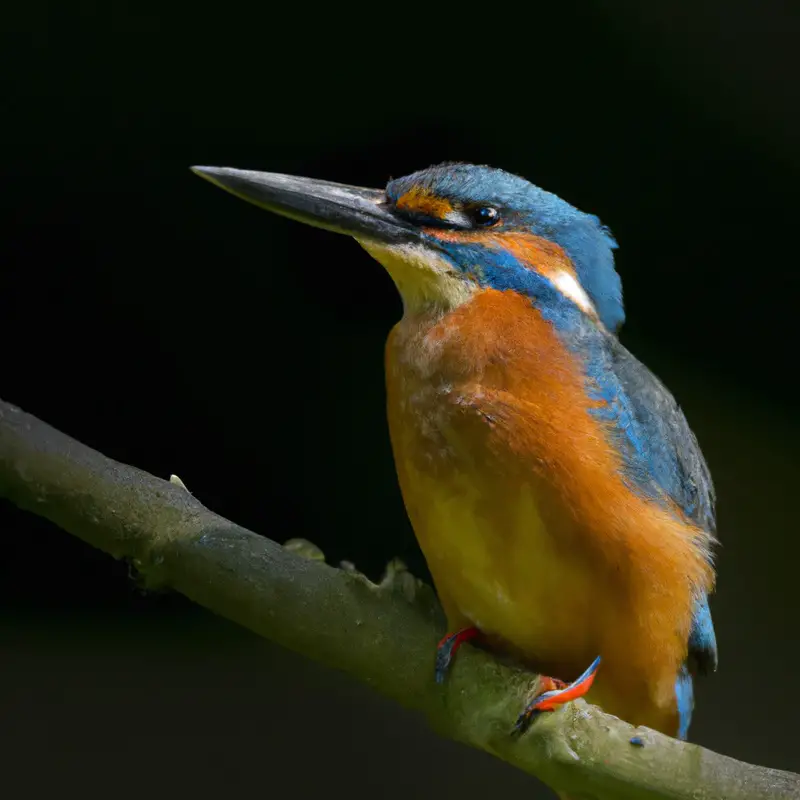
x=556 y=693
x=447 y=648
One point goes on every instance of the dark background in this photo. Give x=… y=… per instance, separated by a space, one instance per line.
x=175 y=328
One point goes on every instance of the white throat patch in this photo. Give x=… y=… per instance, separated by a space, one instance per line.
x=422 y=276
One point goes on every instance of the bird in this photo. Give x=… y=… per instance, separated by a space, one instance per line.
x=561 y=501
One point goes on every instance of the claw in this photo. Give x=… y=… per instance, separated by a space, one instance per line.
x=447 y=648
x=562 y=693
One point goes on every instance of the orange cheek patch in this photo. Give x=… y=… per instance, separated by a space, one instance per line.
x=536 y=253
x=421 y=201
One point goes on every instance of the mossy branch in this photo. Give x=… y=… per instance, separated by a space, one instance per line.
x=383 y=634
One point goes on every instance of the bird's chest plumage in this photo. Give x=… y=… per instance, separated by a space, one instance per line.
x=475 y=425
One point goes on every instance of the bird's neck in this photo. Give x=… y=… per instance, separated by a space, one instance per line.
x=492 y=337
x=432 y=343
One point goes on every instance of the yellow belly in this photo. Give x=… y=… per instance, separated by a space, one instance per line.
x=497 y=566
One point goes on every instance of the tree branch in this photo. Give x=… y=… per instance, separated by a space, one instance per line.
x=383 y=634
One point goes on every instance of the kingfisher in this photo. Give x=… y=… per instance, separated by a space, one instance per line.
x=560 y=498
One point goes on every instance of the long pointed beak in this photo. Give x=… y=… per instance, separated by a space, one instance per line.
x=362 y=213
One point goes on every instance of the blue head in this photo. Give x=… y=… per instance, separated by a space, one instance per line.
x=444 y=231
x=489 y=204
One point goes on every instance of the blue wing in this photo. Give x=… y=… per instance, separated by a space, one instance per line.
x=665 y=446
x=665 y=458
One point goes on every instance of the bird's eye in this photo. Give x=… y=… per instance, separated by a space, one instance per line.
x=484 y=215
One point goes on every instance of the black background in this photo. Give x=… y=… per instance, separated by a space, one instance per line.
x=175 y=328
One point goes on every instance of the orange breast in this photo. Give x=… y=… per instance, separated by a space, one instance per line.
x=517 y=500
